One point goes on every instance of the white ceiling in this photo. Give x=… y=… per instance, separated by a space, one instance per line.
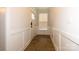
x=42 y=9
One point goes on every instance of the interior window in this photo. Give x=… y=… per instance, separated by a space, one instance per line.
x=43 y=21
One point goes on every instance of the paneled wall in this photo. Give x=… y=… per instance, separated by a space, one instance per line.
x=64 y=28
x=18 y=29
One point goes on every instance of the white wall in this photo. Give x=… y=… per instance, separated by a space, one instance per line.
x=34 y=22
x=64 y=27
x=18 y=30
x=2 y=28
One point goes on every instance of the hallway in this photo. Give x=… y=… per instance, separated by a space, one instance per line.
x=41 y=43
x=27 y=28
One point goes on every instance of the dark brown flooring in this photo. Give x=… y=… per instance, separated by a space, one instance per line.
x=41 y=43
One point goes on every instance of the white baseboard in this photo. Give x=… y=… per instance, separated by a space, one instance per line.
x=27 y=44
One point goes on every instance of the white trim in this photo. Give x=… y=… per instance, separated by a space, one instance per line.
x=25 y=46
x=20 y=30
x=71 y=37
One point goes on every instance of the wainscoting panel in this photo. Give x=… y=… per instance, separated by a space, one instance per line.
x=56 y=39
x=43 y=32
x=67 y=44
x=15 y=42
x=63 y=41
x=27 y=37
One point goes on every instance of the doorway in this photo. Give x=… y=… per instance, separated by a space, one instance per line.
x=43 y=24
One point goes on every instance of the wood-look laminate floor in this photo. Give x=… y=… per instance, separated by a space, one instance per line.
x=41 y=43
